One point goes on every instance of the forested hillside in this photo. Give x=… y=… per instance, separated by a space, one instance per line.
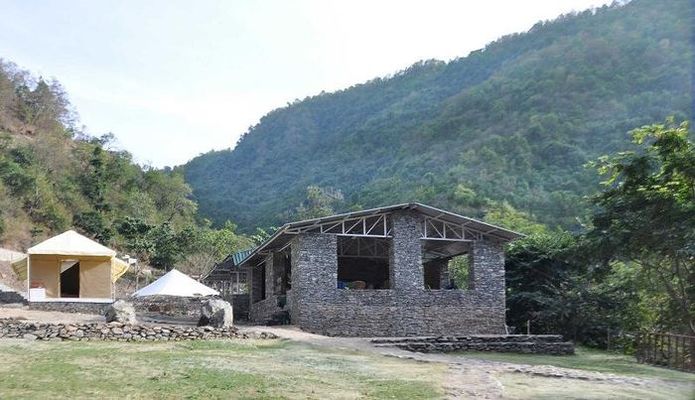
x=510 y=124
x=53 y=177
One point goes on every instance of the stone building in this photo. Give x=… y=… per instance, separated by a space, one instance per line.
x=381 y=272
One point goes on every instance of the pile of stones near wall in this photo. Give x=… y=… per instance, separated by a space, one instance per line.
x=527 y=344
x=115 y=331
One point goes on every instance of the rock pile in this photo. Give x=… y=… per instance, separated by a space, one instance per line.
x=116 y=331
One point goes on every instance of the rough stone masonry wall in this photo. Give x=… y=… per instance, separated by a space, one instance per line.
x=11 y=297
x=114 y=331
x=171 y=306
x=405 y=310
x=70 y=307
x=263 y=310
x=240 y=304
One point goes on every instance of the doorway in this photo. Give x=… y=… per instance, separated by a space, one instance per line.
x=70 y=281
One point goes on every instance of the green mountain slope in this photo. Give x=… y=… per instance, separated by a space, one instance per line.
x=54 y=178
x=513 y=122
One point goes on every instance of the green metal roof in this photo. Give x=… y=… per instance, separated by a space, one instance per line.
x=239 y=256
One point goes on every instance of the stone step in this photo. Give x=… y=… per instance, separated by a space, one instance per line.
x=472 y=339
x=501 y=344
x=516 y=347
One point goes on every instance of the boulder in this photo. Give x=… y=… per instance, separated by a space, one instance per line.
x=120 y=311
x=217 y=313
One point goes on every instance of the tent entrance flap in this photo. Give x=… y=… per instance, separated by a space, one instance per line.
x=70 y=281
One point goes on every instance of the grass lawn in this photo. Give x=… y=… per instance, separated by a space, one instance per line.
x=590 y=360
x=269 y=369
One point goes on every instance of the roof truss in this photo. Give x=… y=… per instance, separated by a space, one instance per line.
x=379 y=226
x=366 y=226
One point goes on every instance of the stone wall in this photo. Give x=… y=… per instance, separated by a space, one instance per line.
x=527 y=344
x=240 y=304
x=314 y=278
x=262 y=311
x=11 y=297
x=70 y=307
x=408 y=309
x=113 y=331
x=171 y=306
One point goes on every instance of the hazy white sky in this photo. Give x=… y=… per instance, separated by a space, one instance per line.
x=173 y=79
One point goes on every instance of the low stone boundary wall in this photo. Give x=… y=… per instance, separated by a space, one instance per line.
x=69 y=307
x=171 y=306
x=527 y=344
x=11 y=297
x=113 y=331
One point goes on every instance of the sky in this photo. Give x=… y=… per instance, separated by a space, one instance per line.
x=173 y=79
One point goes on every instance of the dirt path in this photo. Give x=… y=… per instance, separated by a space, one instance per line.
x=472 y=379
x=469 y=377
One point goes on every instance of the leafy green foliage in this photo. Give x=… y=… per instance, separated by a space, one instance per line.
x=459 y=271
x=548 y=285
x=319 y=202
x=513 y=122
x=209 y=246
x=646 y=214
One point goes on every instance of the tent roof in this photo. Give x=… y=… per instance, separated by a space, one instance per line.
x=175 y=283
x=71 y=243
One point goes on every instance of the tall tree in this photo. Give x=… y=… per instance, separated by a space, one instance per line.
x=646 y=214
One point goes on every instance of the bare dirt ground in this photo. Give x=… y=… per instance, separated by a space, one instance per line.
x=47 y=316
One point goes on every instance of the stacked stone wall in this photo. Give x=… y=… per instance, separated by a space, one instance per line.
x=171 y=306
x=70 y=307
x=11 y=297
x=263 y=310
x=114 y=331
x=240 y=303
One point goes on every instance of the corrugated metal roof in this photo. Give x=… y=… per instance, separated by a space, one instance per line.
x=239 y=256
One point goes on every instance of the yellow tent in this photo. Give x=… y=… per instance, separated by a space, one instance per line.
x=70 y=266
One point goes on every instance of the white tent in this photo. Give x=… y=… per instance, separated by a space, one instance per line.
x=175 y=283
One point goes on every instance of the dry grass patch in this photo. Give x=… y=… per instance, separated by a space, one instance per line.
x=234 y=369
x=522 y=387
